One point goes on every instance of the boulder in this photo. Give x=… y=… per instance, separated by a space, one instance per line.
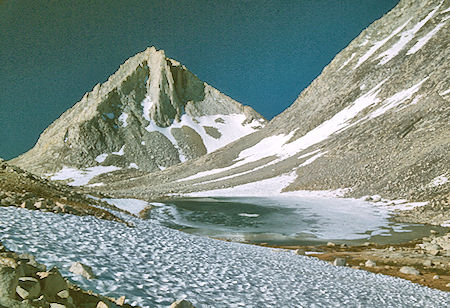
x=82 y=270
x=340 y=262
x=376 y=198
x=370 y=263
x=299 y=252
x=8 y=281
x=28 y=288
x=409 y=270
x=52 y=283
x=64 y=294
x=427 y=263
x=27 y=204
x=182 y=303
x=40 y=302
x=331 y=244
x=101 y=304
x=120 y=301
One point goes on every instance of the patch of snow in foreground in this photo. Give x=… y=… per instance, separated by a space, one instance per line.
x=445 y=92
x=134 y=206
x=446 y=223
x=153 y=266
x=81 y=177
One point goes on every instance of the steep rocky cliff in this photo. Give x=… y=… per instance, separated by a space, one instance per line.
x=151 y=114
x=376 y=121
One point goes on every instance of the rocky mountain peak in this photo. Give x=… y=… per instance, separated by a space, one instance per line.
x=149 y=115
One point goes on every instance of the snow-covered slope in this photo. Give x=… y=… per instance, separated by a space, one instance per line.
x=151 y=114
x=154 y=266
x=376 y=121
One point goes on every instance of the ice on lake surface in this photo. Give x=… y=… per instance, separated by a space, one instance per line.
x=153 y=265
x=284 y=220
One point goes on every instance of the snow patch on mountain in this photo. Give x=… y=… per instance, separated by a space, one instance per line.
x=80 y=176
x=423 y=40
x=439 y=180
x=134 y=206
x=379 y=44
x=405 y=38
x=120 y=152
x=101 y=158
x=229 y=127
x=123 y=118
x=147 y=104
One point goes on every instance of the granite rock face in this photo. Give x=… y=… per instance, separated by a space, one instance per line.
x=151 y=114
x=375 y=122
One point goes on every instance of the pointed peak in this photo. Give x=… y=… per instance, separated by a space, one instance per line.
x=152 y=51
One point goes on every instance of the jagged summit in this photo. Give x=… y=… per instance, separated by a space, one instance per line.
x=151 y=114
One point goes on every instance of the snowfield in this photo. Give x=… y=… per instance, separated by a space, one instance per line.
x=153 y=266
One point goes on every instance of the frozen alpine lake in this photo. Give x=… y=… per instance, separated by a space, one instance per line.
x=285 y=220
x=153 y=266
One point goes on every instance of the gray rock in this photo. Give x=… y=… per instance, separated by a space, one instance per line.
x=101 y=304
x=299 y=252
x=28 y=288
x=340 y=262
x=8 y=281
x=182 y=303
x=436 y=277
x=376 y=198
x=52 y=283
x=63 y=294
x=370 y=263
x=409 y=270
x=40 y=302
x=120 y=301
x=82 y=270
x=427 y=263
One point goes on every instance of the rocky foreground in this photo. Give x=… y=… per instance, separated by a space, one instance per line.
x=25 y=283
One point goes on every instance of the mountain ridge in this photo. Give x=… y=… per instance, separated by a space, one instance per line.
x=150 y=114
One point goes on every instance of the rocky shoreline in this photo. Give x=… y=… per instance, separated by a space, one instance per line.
x=425 y=261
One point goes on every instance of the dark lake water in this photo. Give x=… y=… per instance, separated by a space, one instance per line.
x=285 y=220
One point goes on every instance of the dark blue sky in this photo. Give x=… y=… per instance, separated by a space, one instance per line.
x=261 y=53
